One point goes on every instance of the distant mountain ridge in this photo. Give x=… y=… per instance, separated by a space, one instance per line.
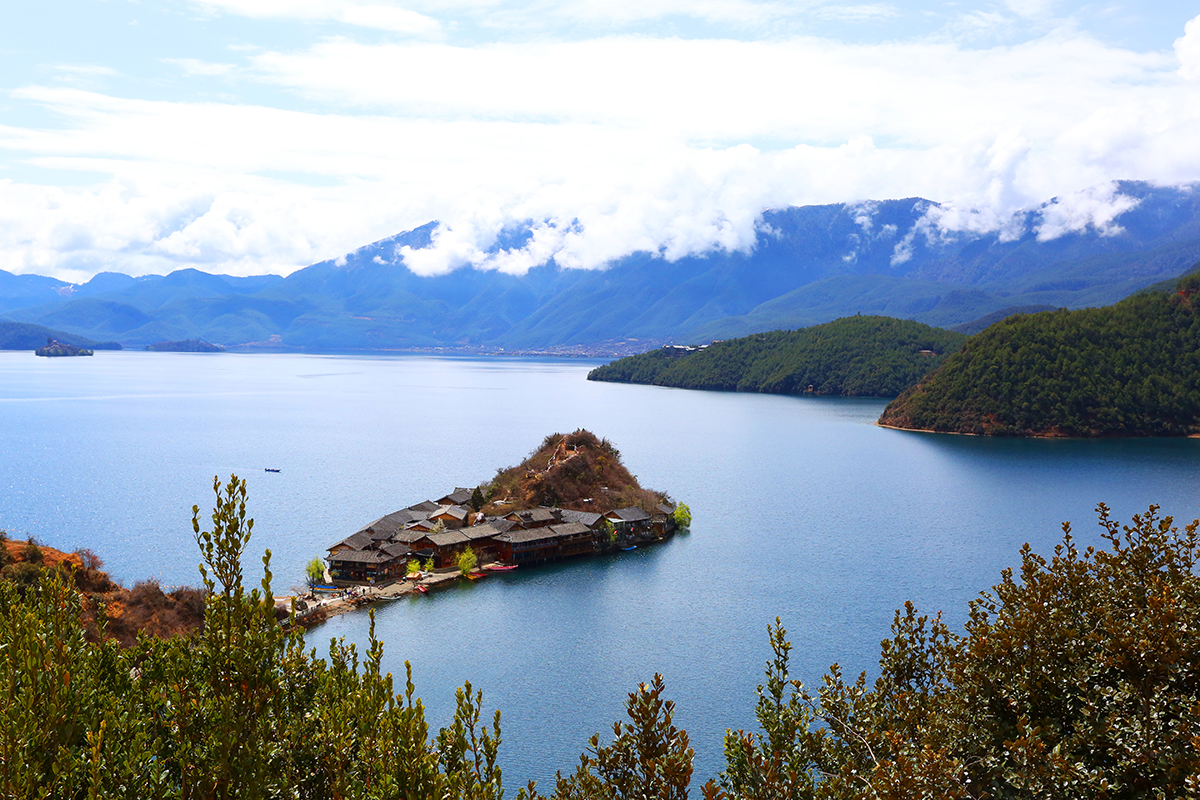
x=809 y=265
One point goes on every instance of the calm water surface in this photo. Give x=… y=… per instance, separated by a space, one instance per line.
x=803 y=509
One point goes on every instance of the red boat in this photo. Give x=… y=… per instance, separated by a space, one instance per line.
x=476 y=575
x=501 y=568
x=422 y=589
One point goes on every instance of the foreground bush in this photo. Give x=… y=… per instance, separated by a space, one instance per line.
x=1080 y=678
x=241 y=709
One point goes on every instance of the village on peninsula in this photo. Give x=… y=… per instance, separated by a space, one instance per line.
x=572 y=497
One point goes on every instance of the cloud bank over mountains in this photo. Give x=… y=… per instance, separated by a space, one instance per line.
x=294 y=132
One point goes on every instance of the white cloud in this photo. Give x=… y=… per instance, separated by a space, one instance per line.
x=857 y=13
x=1096 y=207
x=611 y=145
x=1031 y=8
x=382 y=16
x=1187 y=50
x=193 y=66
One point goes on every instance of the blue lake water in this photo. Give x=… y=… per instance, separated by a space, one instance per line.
x=803 y=509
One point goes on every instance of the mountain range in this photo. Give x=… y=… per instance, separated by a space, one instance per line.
x=808 y=265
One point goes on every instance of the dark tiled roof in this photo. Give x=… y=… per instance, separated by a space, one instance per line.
x=666 y=508
x=356 y=541
x=424 y=505
x=458 y=497
x=406 y=515
x=457 y=512
x=483 y=531
x=536 y=516
x=447 y=538
x=628 y=514
x=360 y=557
x=383 y=527
x=586 y=517
x=397 y=549
x=520 y=535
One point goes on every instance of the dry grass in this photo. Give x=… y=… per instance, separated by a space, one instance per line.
x=576 y=470
x=145 y=607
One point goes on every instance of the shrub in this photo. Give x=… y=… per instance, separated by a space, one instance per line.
x=31 y=552
x=147 y=594
x=189 y=605
x=467 y=560
x=89 y=560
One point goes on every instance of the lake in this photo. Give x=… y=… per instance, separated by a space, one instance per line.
x=803 y=509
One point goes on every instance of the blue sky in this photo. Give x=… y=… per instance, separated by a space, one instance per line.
x=251 y=136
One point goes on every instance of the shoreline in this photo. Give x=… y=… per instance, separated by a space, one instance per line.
x=1060 y=436
x=356 y=598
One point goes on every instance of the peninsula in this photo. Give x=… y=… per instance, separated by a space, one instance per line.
x=571 y=497
x=1129 y=369
x=864 y=356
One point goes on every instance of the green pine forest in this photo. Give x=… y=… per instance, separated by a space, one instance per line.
x=1077 y=675
x=858 y=356
x=1129 y=369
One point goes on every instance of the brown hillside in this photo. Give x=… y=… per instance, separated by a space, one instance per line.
x=145 y=607
x=574 y=470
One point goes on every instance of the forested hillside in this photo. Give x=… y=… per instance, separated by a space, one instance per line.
x=857 y=356
x=1130 y=369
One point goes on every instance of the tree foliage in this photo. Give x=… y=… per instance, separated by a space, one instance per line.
x=314 y=573
x=467 y=561
x=241 y=709
x=648 y=756
x=1130 y=369
x=865 y=356
x=1077 y=677
x=682 y=515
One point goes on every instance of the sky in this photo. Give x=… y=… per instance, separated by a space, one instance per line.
x=259 y=136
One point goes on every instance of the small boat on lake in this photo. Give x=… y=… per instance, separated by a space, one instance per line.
x=627 y=549
x=268 y=469
x=422 y=589
x=501 y=568
x=476 y=575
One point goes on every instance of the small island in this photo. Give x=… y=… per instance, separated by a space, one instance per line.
x=185 y=346
x=57 y=349
x=571 y=497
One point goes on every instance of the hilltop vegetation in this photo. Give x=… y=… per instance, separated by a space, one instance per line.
x=856 y=356
x=1075 y=676
x=1130 y=369
x=576 y=470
